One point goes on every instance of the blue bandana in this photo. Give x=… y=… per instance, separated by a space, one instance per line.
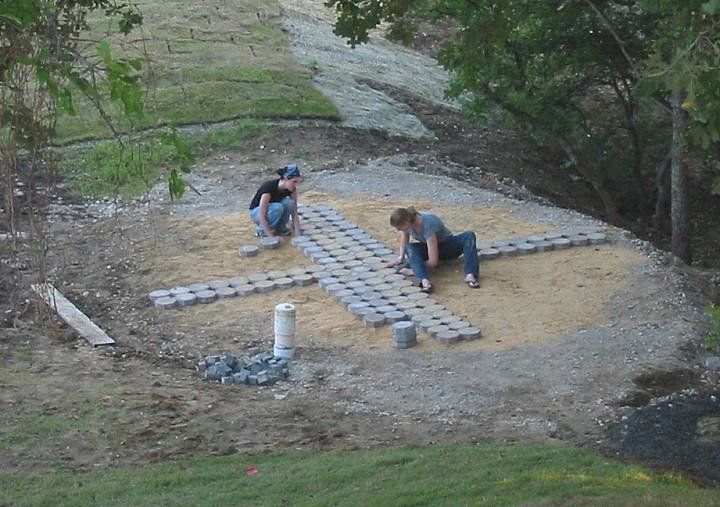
x=291 y=171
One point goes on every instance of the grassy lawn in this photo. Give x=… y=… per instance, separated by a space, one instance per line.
x=210 y=60
x=438 y=475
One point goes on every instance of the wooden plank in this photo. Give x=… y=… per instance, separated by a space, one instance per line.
x=70 y=314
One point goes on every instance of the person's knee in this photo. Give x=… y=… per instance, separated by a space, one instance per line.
x=470 y=238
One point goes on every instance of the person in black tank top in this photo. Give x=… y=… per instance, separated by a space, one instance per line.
x=275 y=203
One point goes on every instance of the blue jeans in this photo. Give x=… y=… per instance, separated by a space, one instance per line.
x=452 y=248
x=278 y=215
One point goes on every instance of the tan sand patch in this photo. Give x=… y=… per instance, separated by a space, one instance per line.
x=534 y=299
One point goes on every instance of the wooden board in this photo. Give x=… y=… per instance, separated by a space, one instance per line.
x=74 y=317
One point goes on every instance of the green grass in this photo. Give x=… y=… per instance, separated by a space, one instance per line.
x=438 y=475
x=106 y=168
x=210 y=60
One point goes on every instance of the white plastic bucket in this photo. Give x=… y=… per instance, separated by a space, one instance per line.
x=284 y=330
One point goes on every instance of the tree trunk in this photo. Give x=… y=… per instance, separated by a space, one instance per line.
x=662 y=187
x=601 y=190
x=679 y=217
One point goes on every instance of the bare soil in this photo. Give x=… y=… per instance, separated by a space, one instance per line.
x=573 y=342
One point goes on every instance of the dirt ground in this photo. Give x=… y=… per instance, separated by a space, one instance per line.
x=577 y=345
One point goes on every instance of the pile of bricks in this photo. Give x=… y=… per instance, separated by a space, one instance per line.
x=259 y=369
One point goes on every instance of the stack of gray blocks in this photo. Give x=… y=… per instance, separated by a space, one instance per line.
x=349 y=265
x=261 y=368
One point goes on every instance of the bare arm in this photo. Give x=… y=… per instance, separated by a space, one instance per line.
x=404 y=238
x=433 y=252
x=295 y=217
x=262 y=214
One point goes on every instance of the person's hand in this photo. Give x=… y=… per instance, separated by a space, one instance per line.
x=393 y=263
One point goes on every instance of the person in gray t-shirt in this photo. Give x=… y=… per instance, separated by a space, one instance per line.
x=432 y=243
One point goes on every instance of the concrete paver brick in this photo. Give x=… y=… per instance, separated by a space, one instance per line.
x=264 y=286
x=257 y=277
x=157 y=294
x=179 y=290
x=245 y=290
x=206 y=296
x=248 y=250
x=226 y=292
x=165 y=302
x=216 y=284
x=284 y=282
x=469 y=333
x=489 y=254
x=373 y=320
x=235 y=281
x=188 y=299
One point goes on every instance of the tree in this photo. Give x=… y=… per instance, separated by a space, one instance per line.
x=575 y=73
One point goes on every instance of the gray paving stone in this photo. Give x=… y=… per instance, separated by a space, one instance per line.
x=370 y=295
x=439 y=314
x=284 y=283
x=427 y=324
x=257 y=277
x=356 y=307
x=561 y=243
x=543 y=246
x=337 y=273
x=507 y=251
x=373 y=320
x=395 y=316
x=226 y=292
x=489 y=254
x=526 y=248
x=349 y=299
x=274 y=275
x=197 y=287
x=396 y=300
x=157 y=294
x=378 y=301
x=410 y=289
x=364 y=289
x=296 y=271
x=469 y=333
x=597 y=238
x=412 y=312
x=435 y=330
x=385 y=308
x=303 y=280
x=206 y=296
x=300 y=239
x=407 y=305
x=264 y=286
x=390 y=293
x=248 y=250
x=458 y=324
x=448 y=337
x=341 y=294
x=188 y=299
x=498 y=244
x=235 y=281
x=449 y=319
x=552 y=235
x=245 y=290
x=334 y=288
x=535 y=238
x=165 y=302
x=179 y=290
x=579 y=240
x=216 y=284
x=324 y=282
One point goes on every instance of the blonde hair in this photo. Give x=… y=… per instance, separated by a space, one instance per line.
x=402 y=216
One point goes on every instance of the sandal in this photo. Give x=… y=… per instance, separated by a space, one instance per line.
x=427 y=289
x=473 y=284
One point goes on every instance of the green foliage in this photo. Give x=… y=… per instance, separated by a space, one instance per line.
x=712 y=339
x=592 y=77
x=438 y=475
x=113 y=167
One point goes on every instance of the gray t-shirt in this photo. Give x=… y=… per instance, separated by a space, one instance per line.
x=431 y=224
